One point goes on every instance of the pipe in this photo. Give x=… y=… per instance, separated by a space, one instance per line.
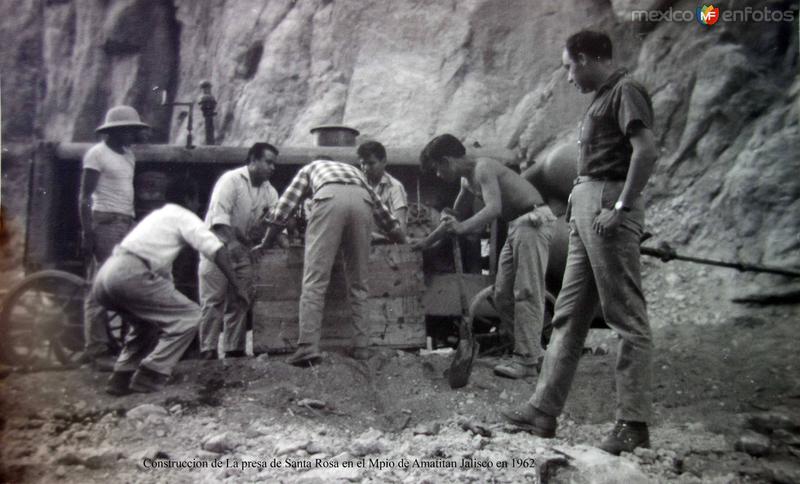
x=209 y=107
x=289 y=155
x=667 y=253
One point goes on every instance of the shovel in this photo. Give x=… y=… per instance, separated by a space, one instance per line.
x=461 y=366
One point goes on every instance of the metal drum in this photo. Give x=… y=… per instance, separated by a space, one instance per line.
x=554 y=176
x=334 y=135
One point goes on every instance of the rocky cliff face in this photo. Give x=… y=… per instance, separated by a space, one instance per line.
x=726 y=96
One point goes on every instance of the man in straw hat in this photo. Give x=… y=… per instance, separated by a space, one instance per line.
x=106 y=213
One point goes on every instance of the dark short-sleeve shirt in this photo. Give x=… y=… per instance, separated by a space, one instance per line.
x=603 y=138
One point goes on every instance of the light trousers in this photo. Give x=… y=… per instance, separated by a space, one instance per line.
x=519 y=288
x=602 y=270
x=220 y=309
x=158 y=313
x=340 y=219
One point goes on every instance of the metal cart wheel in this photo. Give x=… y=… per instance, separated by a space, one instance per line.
x=485 y=318
x=42 y=319
x=117 y=329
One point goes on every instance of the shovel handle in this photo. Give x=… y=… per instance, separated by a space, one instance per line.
x=461 y=366
x=459 y=264
x=462 y=292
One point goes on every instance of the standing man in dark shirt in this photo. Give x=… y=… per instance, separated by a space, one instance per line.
x=616 y=157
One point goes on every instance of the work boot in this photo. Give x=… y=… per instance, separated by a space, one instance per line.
x=104 y=363
x=626 y=436
x=118 y=384
x=85 y=358
x=146 y=380
x=530 y=418
x=235 y=354
x=515 y=369
x=209 y=355
x=305 y=355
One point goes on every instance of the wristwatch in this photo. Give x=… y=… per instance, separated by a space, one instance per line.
x=620 y=207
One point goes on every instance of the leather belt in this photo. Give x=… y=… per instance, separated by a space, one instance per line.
x=587 y=178
x=100 y=216
x=119 y=250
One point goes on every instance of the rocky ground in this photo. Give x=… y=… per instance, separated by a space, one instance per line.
x=727 y=395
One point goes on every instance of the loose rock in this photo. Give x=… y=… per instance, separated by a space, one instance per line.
x=219 y=443
x=475 y=427
x=143 y=411
x=283 y=448
x=589 y=464
x=151 y=452
x=784 y=471
x=311 y=403
x=315 y=448
x=648 y=456
x=100 y=458
x=342 y=457
x=330 y=475
x=69 y=458
x=754 y=444
x=787 y=437
x=368 y=443
x=427 y=429
x=768 y=422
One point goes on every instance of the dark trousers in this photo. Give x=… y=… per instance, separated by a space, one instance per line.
x=109 y=229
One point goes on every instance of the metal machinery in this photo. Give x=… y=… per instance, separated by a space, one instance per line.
x=42 y=316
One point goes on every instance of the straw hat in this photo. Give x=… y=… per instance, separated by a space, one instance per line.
x=121 y=116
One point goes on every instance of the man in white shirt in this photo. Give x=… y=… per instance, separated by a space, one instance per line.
x=106 y=213
x=137 y=282
x=240 y=200
x=372 y=157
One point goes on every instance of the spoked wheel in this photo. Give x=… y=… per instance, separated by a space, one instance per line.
x=486 y=322
x=117 y=330
x=41 y=321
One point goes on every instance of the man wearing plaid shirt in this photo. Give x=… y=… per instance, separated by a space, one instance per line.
x=342 y=209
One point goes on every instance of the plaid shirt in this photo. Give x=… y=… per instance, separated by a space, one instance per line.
x=319 y=173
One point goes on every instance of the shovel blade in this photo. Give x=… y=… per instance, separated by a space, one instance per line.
x=461 y=366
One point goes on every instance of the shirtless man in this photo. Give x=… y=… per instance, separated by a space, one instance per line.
x=519 y=290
